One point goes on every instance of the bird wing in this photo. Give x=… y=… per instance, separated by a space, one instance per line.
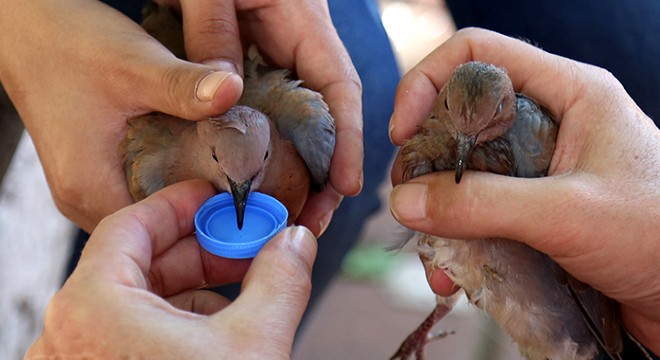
x=600 y=314
x=532 y=138
x=146 y=152
x=299 y=114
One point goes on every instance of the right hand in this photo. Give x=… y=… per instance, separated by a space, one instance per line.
x=597 y=214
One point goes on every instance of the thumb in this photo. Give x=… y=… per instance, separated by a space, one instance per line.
x=204 y=85
x=188 y=90
x=276 y=288
x=486 y=205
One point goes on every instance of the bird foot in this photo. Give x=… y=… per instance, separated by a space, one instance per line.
x=415 y=342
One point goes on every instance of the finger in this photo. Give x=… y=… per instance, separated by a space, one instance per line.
x=321 y=61
x=124 y=243
x=166 y=83
x=342 y=90
x=396 y=175
x=485 y=205
x=319 y=209
x=529 y=67
x=201 y=302
x=277 y=286
x=186 y=265
x=414 y=98
x=190 y=91
x=211 y=34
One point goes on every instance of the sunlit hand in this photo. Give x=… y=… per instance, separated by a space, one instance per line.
x=135 y=291
x=597 y=214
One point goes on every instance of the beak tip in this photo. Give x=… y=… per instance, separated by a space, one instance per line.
x=240 y=214
x=458 y=176
x=464 y=146
x=240 y=193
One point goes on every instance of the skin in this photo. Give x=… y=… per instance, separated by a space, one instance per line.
x=144 y=268
x=599 y=207
x=79 y=69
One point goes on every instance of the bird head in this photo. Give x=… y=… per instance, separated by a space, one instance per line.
x=481 y=104
x=236 y=146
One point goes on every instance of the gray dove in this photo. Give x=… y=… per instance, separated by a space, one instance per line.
x=480 y=123
x=279 y=139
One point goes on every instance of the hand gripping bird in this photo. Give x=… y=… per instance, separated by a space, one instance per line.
x=279 y=139
x=480 y=123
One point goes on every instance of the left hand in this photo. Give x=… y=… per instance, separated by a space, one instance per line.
x=135 y=292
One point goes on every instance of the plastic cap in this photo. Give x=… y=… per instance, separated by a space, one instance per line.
x=218 y=233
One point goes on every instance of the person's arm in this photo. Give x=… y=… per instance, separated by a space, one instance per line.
x=597 y=214
x=136 y=290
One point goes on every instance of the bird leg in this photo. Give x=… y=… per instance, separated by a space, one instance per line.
x=415 y=342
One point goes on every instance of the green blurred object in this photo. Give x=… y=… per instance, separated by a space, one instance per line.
x=368 y=262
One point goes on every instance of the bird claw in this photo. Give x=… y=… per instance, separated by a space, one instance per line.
x=439 y=335
x=415 y=342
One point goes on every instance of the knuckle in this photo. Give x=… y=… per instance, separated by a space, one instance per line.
x=174 y=84
x=66 y=194
x=216 y=25
x=295 y=273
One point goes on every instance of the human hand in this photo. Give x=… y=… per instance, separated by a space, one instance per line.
x=77 y=70
x=135 y=291
x=597 y=214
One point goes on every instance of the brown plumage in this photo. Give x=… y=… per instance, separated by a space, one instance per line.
x=279 y=139
x=479 y=123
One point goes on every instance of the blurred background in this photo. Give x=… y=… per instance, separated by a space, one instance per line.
x=368 y=311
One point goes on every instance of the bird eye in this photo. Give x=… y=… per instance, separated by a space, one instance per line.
x=499 y=109
x=214 y=157
x=266 y=156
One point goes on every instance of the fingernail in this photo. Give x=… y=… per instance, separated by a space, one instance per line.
x=221 y=65
x=209 y=84
x=325 y=221
x=391 y=128
x=299 y=236
x=361 y=181
x=408 y=202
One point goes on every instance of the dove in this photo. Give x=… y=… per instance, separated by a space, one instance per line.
x=480 y=123
x=279 y=138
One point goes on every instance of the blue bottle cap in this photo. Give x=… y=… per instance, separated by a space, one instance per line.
x=218 y=233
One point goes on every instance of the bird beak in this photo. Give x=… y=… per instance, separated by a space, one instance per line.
x=240 y=194
x=464 y=147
